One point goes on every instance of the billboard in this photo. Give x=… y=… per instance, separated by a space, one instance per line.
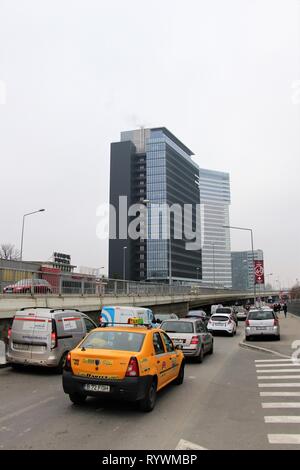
x=259 y=272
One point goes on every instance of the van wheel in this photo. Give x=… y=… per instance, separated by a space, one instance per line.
x=180 y=377
x=148 y=403
x=77 y=399
x=62 y=363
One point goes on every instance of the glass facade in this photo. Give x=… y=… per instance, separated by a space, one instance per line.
x=243 y=269
x=172 y=179
x=215 y=201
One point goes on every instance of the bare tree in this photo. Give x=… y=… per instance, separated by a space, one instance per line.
x=8 y=251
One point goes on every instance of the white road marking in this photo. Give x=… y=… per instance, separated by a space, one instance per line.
x=273 y=360
x=283 y=384
x=283 y=419
x=263 y=377
x=24 y=410
x=191 y=377
x=263 y=371
x=279 y=394
x=284 y=438
x=281 y=404
x=187 y=445
x=277 y=365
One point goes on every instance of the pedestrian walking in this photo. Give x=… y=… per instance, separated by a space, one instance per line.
x=285 y=309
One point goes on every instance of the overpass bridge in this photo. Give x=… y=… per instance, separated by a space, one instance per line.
x=178 y=299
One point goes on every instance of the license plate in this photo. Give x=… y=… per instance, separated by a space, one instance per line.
x=219 y=324
x=261 y=327
x=96 y=388
x=21 y=347
x=180 y=341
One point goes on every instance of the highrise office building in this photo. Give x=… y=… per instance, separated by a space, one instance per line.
x=154 y=168
x=215 y=201
x=243 y=269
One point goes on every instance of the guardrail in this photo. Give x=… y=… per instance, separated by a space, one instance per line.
x=53 y=282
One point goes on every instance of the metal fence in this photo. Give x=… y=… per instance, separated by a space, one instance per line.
x=50 y=282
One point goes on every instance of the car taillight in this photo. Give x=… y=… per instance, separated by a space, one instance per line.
x=53 y=335
x=195 y=340
x=68 y=362
x=9 y=333
x=133 y=368
x=247 y=323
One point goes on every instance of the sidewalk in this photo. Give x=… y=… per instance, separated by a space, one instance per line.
x=289 y=332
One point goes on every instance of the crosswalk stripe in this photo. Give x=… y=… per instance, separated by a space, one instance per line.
x=263 y=377
x=279 y=394
x=273 y=360
x=282 y=384
x=282 y=419
x=263 y=371
x=284 y=438
x=259 y=366
x=290 y=404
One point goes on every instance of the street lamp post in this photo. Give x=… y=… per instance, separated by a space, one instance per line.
x=124 y=262
x=214 y=272
x=22 y=237
x=252 y=249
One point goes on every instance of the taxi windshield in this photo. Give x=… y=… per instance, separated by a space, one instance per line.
x=114 y=340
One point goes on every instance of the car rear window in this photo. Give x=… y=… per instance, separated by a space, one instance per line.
x=178 y=327
x=114 y=340
x=223 y=310
x=219 y=318
x=265 y=315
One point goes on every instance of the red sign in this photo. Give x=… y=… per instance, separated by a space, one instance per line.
x=259 y=272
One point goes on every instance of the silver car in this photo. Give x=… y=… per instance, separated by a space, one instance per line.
x=261 y=322
x=192 y=335
x=44 y=336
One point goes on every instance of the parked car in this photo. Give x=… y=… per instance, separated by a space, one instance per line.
x=192 y=334
x=262 y=322
x=200 y=314
x=44 y=336
x=230 y=311
x=25 y=286
x=130 y=363
x=222 y=323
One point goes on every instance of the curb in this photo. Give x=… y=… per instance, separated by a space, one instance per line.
x=265 y=350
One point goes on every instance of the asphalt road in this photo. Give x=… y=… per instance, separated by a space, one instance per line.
x=218 y=406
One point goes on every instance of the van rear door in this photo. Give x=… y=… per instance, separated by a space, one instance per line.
x=30 y=334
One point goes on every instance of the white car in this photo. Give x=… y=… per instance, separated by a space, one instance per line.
x=222 y=322
x=241 y=313
x=262 y=322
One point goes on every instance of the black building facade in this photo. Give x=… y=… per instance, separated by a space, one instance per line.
x=153 y=168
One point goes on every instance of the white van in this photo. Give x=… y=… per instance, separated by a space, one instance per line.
x=120 y=315
x=43 y=336
x=213 y=308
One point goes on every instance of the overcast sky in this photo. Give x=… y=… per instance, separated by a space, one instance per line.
x=223 y=76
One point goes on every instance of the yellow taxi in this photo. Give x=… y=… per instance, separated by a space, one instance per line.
x=130 y=362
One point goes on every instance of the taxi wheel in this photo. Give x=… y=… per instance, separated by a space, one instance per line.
x=148 y=403
x=180 y=376
x=77 y=399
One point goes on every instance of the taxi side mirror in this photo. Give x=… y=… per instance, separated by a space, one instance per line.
x=179 y=346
